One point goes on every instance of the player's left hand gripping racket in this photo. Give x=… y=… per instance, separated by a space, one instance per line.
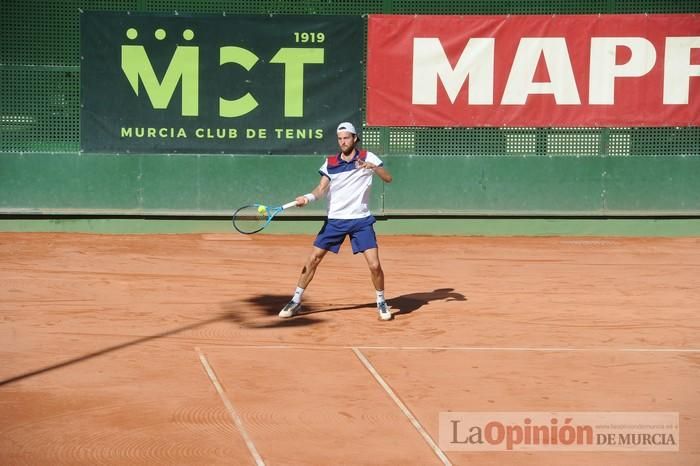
x=253 y=218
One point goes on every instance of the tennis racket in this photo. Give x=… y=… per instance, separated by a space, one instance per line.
x=253 y=218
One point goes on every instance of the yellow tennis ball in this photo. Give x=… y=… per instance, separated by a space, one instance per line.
x=262 y=210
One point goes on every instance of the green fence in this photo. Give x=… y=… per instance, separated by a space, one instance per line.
x=438 y=171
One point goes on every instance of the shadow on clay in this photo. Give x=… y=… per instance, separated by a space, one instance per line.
x=269 y=305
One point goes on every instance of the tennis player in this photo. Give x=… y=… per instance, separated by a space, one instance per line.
x=346 y=180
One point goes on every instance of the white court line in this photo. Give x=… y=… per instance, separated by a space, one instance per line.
x=403 y=407
x=234 y=415
x=472 y=348
x=543 y=349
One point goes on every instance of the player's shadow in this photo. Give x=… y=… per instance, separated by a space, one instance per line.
x=408 y=303
x=270 y=305
x=412 y=302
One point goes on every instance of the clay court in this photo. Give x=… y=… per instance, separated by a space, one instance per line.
x=535 y=168
x=166 y=349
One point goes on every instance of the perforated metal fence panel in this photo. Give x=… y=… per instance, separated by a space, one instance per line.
x=39 y=114
x=40 y=73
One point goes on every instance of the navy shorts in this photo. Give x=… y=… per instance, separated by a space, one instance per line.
x=334 y=231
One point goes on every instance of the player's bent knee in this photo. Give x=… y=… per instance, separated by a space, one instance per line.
x=375 y=267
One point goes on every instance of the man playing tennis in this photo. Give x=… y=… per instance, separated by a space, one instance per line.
x=346 y=179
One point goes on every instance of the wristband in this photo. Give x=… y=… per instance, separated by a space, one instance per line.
x=310 y=197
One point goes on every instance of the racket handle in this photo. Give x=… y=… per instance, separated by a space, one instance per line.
x=289 y=204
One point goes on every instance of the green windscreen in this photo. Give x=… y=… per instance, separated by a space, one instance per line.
x=557 y=170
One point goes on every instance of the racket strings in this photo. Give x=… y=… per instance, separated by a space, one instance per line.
x=249 y=220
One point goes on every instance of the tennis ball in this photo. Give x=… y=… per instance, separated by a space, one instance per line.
x=262 y=210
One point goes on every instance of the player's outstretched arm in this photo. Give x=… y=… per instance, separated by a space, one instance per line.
x=317 y=193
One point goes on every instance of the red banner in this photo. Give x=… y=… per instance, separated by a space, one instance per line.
x=608 y=70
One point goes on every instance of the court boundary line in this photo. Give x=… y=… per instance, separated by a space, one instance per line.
x=533 y=349
x=404 y=409
x=229 y=407
x=467 y=348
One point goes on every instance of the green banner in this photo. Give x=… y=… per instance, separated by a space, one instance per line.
x=218 y=84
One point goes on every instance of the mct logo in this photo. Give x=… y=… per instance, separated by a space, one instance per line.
x=184 y=69
x=271 y=84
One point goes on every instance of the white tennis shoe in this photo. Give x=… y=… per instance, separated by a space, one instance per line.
x=384 y=311
x=290 y=310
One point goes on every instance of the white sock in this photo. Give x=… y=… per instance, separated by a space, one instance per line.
x=297 y=295
x=380 y=296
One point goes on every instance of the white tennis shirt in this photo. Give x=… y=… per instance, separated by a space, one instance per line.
x=348 y=193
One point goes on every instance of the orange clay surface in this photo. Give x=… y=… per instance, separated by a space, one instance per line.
x=167 y=349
